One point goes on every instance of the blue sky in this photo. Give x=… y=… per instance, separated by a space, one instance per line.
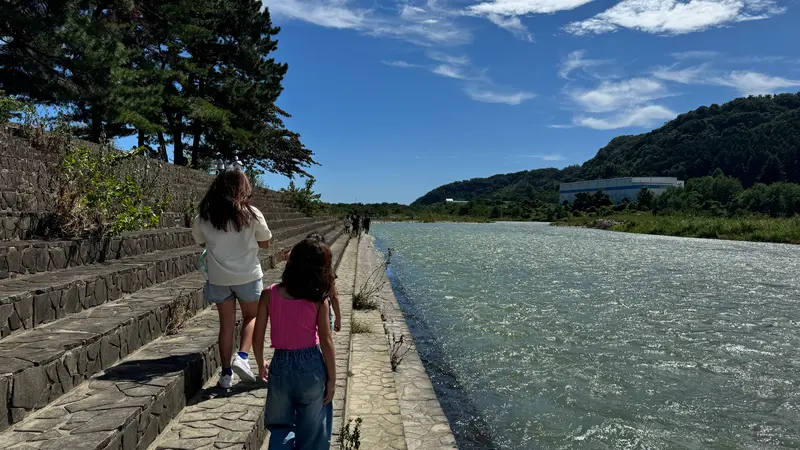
x=396 y=98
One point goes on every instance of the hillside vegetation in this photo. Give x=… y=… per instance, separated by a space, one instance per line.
x=753 y=139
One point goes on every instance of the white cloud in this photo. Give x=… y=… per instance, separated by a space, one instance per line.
x=448 y=59
x=547 y=157
x=674 y=17
x=512 y=24
x=511 y=8
x=449 y=72
x=688 y=75
x=754 y=83
x=576 y=61
x=646 y=116
x=414 y=24
x=613 y=96
x=401 y=64
x=487 y=96
x=506 y=13
x=695 y=54
x=327 y=14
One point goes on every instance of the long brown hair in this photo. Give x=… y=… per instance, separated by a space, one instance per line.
x=228 y=201
x=309 y=272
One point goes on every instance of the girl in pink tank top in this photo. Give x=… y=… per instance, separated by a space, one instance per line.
x=302 y=373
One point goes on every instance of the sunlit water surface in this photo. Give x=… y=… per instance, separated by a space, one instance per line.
x=547 y=337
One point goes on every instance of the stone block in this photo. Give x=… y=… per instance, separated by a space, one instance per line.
x=30 y=386
x=58 y=258
x=24 y=312
x=5 y=391
x=42 y=309
x=14 y=260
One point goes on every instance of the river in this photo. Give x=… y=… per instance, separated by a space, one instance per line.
x=566 y=338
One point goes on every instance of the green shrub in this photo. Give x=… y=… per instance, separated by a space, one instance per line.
x=92 y=200
x=304 y=199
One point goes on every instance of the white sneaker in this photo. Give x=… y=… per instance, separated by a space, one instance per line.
x=225 y=381
x=242 y=368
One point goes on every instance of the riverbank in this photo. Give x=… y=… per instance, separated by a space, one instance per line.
x=387 y=386
x=756 y=229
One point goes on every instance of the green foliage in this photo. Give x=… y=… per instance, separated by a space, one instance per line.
x=753 y=139
x=750 y=228
x=194 y=74
x=363 y=298
x=645 y=198
x=10 y=108
x=304 y=199
x=91 y=200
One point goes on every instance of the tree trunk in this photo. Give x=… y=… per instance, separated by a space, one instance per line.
x=97 y=125
x=140 y=139
x=178 y=157
x=197 y=131
x=162 y=147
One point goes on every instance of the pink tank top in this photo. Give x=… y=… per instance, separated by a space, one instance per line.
x=293 y=323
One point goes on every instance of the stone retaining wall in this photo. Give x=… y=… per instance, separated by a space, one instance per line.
x=30 y=257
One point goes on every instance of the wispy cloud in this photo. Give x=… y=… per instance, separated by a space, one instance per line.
x=449 y=71
x=400 y=64
x=755 y=83
x=613 y=96
x=646 y=116
x=334 y=14
x=489 y=96
x=688 y=75
x=448 y=59
x=546 y=157
x=672 y=17
x=576 y=61
x=507 y=13
x=421 y=26
x=695 y=54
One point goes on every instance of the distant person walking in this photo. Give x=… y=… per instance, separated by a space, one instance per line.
x=367 y=222
x=302 y=374
x=356 y=225
x=232 y=230
x=347 y=225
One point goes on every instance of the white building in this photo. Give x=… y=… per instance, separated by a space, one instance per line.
x=450 y=200
x=618 y=188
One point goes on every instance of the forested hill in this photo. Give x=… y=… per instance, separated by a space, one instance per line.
x=755 y=139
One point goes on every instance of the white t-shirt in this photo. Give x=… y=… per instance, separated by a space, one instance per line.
x=232 y=257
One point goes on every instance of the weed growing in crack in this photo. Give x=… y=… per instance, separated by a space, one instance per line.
x=350 y=439
x=398 y=350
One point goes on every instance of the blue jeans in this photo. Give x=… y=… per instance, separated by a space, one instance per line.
x=294 y=414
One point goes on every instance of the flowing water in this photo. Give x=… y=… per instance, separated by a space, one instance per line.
x=546 y=337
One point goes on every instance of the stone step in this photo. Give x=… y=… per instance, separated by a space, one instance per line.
x=42 y=364
x=203 y=423
x=127 y=405
x=42 y=298
x=37 y=256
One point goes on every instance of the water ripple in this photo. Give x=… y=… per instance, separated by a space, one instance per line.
x=571 y=338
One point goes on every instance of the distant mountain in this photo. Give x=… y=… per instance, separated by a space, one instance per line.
x=755 y=139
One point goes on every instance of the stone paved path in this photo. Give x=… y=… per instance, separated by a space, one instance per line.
x=216 y=419
x=425 y=425
x=372 y=394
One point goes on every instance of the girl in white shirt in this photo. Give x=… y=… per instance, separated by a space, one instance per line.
x=232 y=230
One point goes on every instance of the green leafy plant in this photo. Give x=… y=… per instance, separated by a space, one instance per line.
x=92 y=200
x=10 y=108
x=304 y=199
x=350 y=439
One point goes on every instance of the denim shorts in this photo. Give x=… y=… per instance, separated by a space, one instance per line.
x=245 y=293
